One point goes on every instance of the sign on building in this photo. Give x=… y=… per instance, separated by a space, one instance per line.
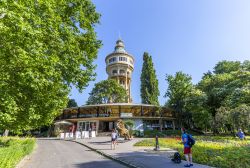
x=126 y=115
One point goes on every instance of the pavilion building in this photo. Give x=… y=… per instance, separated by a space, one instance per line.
x=91 y=120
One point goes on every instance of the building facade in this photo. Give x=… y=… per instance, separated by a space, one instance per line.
x=91 y=120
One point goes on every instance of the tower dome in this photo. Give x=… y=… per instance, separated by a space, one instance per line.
x=119 y=66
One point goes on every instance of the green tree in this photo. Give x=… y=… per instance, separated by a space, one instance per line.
x=149 y=82
x=226 y=89
x=46 y=47
x=72 y=103
x=195 y=103
x=179 y=89
x=107 y=91
x=240 y=117
x=226 y=66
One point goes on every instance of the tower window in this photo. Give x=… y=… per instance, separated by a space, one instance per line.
x=123 y=59
x=114 y=71
x=122 y=71
x=122 y=82
x=131 y=61
x=112 y=59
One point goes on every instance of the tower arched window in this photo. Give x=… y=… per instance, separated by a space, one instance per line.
x=114 y=72
x=122 y=71
x=122 y=82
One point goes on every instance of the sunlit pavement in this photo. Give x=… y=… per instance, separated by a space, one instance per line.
x=52 y=153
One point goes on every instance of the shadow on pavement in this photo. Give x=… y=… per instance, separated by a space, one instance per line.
x=101 y=164
x=48 y=138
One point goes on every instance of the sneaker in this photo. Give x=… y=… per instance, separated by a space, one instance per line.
x=187 y=165
x=191 y=165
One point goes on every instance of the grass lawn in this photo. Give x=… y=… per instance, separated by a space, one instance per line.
x=13 y=149
x=223 y=152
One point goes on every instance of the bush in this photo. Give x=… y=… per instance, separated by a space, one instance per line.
x=164 y=133
x=138 y=133
x=223 y=152
x=13 y=149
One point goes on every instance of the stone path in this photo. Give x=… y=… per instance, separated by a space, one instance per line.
x=143 y=157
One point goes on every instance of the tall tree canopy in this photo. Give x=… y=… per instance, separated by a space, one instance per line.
x=179 y=88
x=46 y=46
x=72 y=103
x=107 y=91
x=220 y=101
x=149 y=82
x=227 y=90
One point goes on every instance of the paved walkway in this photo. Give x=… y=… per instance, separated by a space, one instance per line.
x=51 y=153
x=143 y=157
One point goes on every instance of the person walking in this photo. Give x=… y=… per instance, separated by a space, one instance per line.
x=241 y=134
x=113 y=139
x=187 y=148
x=90 y=132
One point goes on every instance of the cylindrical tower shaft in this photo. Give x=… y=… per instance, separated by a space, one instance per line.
x=119 y=66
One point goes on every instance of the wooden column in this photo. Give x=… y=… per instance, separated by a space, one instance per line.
x=119 y=111
x=142 y=111
x=97 y=111
x=78 y=113
x=173 y=125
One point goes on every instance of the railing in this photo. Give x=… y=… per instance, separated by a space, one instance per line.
x=121 y=74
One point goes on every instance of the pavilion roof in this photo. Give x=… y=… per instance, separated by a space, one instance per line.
x=114 y=104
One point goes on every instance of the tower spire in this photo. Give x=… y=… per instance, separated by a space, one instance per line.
x=119 y=35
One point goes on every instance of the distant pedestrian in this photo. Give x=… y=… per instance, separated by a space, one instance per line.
x=241 y=134
x=187 y=148
x=113 y=139
x=157 y=146
x=90 y=132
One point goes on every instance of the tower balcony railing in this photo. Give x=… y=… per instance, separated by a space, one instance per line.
x=122 y=62
x=121 y=74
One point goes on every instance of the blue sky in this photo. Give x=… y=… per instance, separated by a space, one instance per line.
x=189 y=36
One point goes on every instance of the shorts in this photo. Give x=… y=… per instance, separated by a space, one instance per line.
x=187 y=150
x=113 y=139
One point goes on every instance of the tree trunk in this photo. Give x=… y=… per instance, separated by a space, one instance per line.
x=160 y=122
x=6 y=132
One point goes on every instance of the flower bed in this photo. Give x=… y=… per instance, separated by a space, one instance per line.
x=13 y=149
x=223 y=152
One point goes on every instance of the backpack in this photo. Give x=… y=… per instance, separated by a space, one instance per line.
x=176 y=158
x=191 y=140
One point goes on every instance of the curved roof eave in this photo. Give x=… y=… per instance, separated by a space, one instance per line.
x=118 y=104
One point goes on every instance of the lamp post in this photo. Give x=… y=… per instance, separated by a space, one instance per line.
x=157 y=146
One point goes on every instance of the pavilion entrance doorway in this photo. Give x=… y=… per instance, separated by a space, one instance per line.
x=87 y=129
x=106 y=126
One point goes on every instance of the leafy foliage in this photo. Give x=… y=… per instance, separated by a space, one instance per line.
x=179 y=89
x=12 y=150
x=220 y=101
x=227 y=89
x=149 y=82
x=107 y=91
x=72 y=103
x=46 y=46
x=221 y=152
